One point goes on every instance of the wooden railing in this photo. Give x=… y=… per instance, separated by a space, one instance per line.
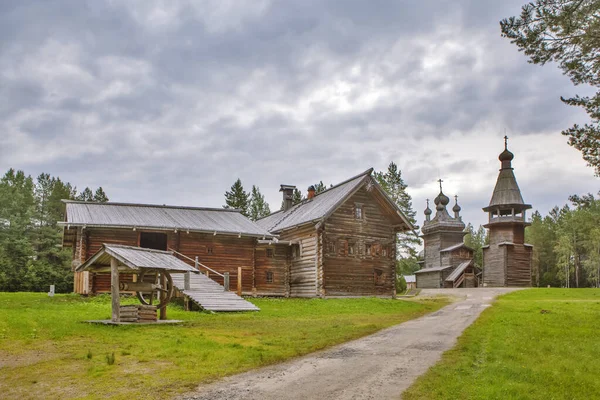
x=198 y=264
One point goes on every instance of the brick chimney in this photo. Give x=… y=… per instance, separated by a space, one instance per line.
x=288 y=196
x=311 y=192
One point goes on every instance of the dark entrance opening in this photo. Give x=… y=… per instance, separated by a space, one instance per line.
x=153 y=240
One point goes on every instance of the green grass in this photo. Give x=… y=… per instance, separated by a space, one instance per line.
x=517 y=351
x=46 y=351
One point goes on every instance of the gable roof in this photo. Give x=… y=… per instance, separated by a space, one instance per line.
x=134 y=258
x=324 y=204
x=147 y=216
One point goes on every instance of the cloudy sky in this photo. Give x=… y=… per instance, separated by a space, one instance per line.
x=171 y=101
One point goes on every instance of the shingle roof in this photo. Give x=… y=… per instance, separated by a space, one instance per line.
x=312 y=209
x=319 y=206
x=507 y=192
x=459 y=270
x=135 y=258
x=125 y=215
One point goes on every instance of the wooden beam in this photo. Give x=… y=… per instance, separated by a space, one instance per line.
x=163 y=297
x=239 y=281
x=114 y=289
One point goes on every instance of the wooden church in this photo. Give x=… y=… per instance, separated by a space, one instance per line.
x=447 y=261
x=507 y=259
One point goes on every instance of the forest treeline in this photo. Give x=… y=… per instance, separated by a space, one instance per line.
x=31 y=255
x=566 y=244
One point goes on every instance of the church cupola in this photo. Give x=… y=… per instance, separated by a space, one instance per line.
x=456 y=208
x=507 y=203
x=427 y=212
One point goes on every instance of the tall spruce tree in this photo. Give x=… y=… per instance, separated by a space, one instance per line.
x=259 y=208
x=476 y=239
x=100 y=196
x=17 y=218
x=391 y=181
x=237 y=198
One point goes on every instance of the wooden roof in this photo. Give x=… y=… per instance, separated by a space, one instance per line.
x=148 y=216
x=134 y=259
x=325 y=203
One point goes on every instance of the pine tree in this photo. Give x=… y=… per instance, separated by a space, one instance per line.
x=320 y=187
x=392 y=183
x=237 y=198
x=17 y=211
x=259 y=208
x=565 y=32
x=100 y=196
x=476 y=239
x=86 y=195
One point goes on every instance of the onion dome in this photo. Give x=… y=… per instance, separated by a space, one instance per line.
x=427 y=211
x=456 y=207
x=441 y=201
x=506 y=156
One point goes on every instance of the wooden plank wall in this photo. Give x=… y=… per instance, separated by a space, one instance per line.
x=429 y=280
x=493 y=265
x=278 y=265
x=227 y=254
x=355 y=274
x=303 y=267
x=518 y=271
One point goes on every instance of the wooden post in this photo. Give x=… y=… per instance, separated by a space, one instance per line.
x=226 y=281
x=239 y=281
x=186 y=280
x=114 y=289
x=196 y=263
x=207 y=274
x=163 y=296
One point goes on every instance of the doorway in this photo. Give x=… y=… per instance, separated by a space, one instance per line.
x=153 y=240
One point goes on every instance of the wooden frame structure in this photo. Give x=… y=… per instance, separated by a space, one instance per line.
x=118 y=259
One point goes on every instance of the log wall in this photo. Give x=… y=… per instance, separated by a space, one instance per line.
x=429 y=280
x=358 y=254
x=278 y=264
x=494 y=272
x=518 y=271
x=303 y=267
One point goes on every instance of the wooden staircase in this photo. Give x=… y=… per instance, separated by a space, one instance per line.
x=211 y=296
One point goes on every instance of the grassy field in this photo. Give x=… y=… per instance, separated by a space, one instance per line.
x=532 y=344
x=47 y=352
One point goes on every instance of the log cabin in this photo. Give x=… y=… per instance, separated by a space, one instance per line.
x=340 y=242
x=343 y=239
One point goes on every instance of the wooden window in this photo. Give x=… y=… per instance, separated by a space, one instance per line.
x=295 y=251
x=378 y=276
x=270 y=253
x=384 y=251
x=377 y=248
x=209 y=250
x=358 y=211
x=343 y=248
x=269 y=277
x=368 y=249
x=153 y=240
x=331 y=248
x=351 y=249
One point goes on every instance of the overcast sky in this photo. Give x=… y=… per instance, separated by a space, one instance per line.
x=171 y=101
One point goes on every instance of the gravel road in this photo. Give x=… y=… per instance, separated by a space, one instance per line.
x=379 y=366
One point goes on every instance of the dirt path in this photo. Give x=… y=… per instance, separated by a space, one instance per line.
x=380 y=366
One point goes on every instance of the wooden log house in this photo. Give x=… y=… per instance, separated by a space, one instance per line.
x=340 y=242
x=343 y=239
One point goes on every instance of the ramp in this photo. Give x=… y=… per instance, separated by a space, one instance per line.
x=211 y=296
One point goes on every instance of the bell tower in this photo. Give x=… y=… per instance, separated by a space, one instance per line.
x=507 y=259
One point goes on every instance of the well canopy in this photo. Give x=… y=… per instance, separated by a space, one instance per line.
x=134 y=259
